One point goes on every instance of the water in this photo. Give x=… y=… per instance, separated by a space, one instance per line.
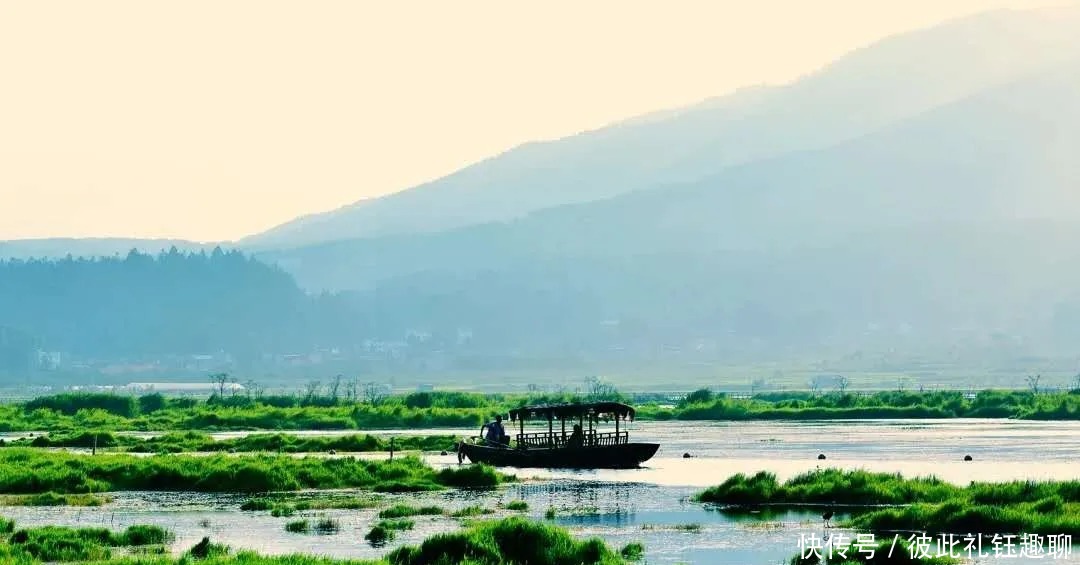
x=645 y=505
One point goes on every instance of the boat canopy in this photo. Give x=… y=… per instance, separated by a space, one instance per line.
x=604 y=410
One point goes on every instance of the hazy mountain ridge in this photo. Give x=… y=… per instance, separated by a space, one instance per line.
x=948 y=233
x=889 y=81
x=990 y=157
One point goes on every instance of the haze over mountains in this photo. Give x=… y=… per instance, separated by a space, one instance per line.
x=914 y=202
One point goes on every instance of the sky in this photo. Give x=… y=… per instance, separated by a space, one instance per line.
x=211 y=120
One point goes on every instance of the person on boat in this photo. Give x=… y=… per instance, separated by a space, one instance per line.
x=577 y=437
x=495 y=433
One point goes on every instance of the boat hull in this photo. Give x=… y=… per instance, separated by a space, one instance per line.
x=623 y=456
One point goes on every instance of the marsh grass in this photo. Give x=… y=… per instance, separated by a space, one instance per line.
x=406 y=511
x=326 y=525
x=511 y=540
x=52 y=543
x=471 y=512
x=517 y=506
x=53 y=499
x=29 y=471
x=928 y=504
x=298 y=527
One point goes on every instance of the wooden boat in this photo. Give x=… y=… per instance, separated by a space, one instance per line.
x=557 y=449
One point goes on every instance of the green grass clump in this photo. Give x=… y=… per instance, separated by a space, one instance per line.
x=518 y=506
x=549 y=514
x=53 y=499
x=298 y=527
x=397 y=525
x=828 y=486
x=405 y=511
x=471 y=476
x=54 y=543
x=632 y=551
x=513 y=540
x=929 y=505
x=379 y=535
x=327 y=525
x=471 y=512
x=28 y=471
x=386 y=530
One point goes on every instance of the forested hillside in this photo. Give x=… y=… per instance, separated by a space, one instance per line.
x=144 y=305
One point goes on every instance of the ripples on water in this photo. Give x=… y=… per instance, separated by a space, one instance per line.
x=645 y=505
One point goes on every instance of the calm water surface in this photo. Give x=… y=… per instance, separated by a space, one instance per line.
x=647 y=504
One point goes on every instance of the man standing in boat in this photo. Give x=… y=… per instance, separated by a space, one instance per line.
x=496 y=435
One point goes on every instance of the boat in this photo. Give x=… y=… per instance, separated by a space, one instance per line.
x=554 y=448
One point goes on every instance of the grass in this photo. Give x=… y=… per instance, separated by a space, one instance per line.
x=298 y=527
x=385 y=531
x=518 y=506
x=28 y=471
x=53 y=499
x=500 y=542
x=284 y=506
x=928 y=504
x=406 y=511
x=326 y=525
x=193 y=441
x=827 y=486
x=51 y=543
x=633 y=551
x=471 y=512
x=512 y=540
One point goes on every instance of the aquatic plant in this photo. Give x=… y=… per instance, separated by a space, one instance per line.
x=930 y=505
x=517 y=505
x=53 y=499
x=512 y=540
x=405 y=511
x=298 y=527
x=633 y=551
x=326 y=525
x=828 y=486
x=471 y=512
x=53 y=543
x=31 y=471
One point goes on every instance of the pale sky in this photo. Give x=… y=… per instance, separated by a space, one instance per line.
x=212 y=119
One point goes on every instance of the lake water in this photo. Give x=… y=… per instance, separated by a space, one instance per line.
x=647 y=505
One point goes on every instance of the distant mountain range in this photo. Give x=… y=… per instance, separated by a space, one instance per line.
x=918 y=198
x=875 y=87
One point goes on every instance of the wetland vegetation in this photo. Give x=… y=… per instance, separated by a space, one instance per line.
x=498 y=542
x=882 y=502
x=30 y=471
x=80 y=419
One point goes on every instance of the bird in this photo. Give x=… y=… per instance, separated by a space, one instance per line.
x=827 y=516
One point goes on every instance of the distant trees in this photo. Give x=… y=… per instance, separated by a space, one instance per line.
x=173 y=303
x=220 y=380
x=1033 y=383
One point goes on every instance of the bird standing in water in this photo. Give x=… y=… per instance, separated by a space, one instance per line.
x=827 y=516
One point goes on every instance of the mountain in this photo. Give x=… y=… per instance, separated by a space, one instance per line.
x=882 y=84
x=55 y=248
x=950 y=229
